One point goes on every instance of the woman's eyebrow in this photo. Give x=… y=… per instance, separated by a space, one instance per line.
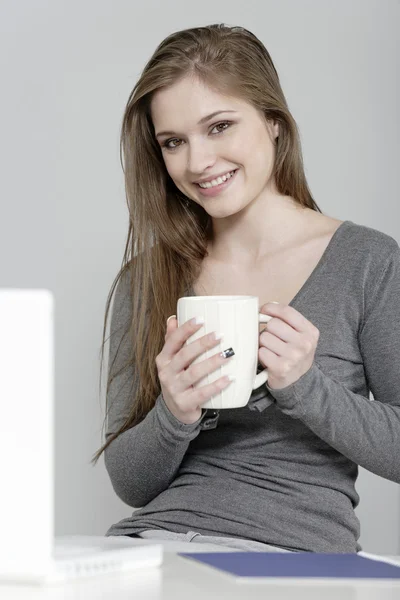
x=202 y=120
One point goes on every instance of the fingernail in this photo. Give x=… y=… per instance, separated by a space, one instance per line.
x=274 y=302
x=170 y=318
x=197 y=321
x=217 y=335
x=226 y=353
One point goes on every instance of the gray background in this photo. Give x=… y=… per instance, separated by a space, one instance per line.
x=67 y=68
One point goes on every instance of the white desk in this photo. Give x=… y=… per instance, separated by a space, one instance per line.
x=183 y=579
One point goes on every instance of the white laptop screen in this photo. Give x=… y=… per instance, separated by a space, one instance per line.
x=26 y=428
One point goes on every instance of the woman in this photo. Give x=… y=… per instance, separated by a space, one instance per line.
x=280 y=472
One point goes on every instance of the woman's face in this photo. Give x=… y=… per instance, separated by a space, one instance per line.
x=194 y=151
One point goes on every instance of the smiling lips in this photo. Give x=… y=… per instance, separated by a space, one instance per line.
x=216 y=186
x=217 y=181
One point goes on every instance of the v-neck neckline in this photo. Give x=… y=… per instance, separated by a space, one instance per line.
x=324 y=257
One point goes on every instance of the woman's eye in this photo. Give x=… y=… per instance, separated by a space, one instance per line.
x=167 y=142
x=223 y=123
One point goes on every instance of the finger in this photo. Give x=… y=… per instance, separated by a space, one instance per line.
x=198 y=371
x=274 y=344
x=176 y=337
x=279 y=329
x=183 y=359
x=200 y=395
x=286 y=313
x=268 y=358
x=172 y=324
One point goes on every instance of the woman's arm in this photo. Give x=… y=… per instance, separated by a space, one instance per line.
x=143 y=460
x=367 y=432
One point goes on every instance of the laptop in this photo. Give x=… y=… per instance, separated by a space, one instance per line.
x=29 y=551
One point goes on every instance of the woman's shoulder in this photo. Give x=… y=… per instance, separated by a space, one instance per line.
x=366 y=241
x=370 y=235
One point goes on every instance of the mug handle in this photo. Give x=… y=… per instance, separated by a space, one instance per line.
x=261 y=377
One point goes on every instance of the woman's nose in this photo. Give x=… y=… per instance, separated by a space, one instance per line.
x=200 y=158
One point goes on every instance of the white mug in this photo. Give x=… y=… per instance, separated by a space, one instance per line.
x=237 y=318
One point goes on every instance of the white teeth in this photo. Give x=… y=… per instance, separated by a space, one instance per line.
x=217 y=181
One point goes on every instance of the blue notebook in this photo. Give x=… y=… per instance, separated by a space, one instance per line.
x=304 y=565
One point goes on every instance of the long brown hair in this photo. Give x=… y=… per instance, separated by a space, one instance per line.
x=167 y=235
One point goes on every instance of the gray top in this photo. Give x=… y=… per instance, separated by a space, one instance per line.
x=282 y=469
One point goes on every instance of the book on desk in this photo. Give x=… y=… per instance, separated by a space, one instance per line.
x=297 y=566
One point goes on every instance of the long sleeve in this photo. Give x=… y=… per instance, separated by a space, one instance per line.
x=143 y=460
x=366 y=432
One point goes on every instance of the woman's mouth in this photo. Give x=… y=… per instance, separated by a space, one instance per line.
x=214 y=190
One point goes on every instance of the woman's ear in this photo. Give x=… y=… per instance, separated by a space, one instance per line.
x=273 y=130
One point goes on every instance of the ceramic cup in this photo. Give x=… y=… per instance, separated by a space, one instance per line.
x=237 y=318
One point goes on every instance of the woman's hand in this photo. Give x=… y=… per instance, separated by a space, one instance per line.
x=287 y=344
x=177 y=374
